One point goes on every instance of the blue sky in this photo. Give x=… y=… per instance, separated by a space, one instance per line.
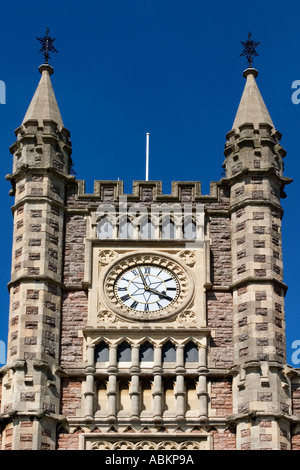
x=168 y=67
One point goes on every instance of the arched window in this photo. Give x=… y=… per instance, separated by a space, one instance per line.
x=147 y=229
x=146 y=352
x=126 y=229
x=101 y=352
x=189 y=228
x=191 y=352
x=169 y=352
x=167 y=228
x=124 y=352
x=104 y=228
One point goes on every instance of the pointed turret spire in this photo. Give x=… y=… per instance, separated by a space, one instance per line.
x=252 y=108
x=43 y=105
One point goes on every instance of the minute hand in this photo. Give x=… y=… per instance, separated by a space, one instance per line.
x=160 y=294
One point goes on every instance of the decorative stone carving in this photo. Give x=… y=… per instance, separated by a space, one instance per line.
x=107 y=256
x=187 y=257
x=123 y=445
x=101 y=445
x=104 y=316
x=188 y=316
x=145 y=445
x=149 y=445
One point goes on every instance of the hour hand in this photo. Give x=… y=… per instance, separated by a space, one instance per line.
x=143 y=279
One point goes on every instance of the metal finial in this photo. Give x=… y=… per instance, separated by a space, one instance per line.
x=249 y=49
x=47 y=46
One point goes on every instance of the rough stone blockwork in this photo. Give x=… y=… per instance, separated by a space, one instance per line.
x=220 y=251
x=92 y=365
x=75 y=233
x=74 y=316
x=220 y=320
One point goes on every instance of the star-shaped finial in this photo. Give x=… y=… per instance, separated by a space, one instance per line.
x=249 y=49
x=47 y=46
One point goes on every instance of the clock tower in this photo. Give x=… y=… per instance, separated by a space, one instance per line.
x=147 y=321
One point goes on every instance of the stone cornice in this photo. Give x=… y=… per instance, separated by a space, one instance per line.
x=270 y=172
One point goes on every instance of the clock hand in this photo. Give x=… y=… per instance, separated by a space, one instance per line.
x=143 y=279
x=160 y=294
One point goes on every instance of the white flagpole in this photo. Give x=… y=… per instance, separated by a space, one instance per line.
x=147 y=156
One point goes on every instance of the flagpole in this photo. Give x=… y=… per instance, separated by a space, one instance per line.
x=147 y=156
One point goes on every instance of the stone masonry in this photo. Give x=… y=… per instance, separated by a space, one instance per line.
x=211 y=374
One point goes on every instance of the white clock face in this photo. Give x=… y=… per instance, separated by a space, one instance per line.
x=147 y=288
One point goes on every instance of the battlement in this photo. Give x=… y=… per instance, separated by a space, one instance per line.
x=148 y=191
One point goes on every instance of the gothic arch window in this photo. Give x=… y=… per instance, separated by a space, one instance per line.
x=167 y=228
x=189 y=228
x=146 y=352
x=191 y=352
x=147 y=229
x=169 y=352
x=124 y=352
x=101 y=352
x=126 y=229
x=104 y=228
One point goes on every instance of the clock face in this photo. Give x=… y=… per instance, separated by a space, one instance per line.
x=147 y=288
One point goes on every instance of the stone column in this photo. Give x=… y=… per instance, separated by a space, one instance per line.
x=112 y=365
x=180 y=388
x=112 y=397
x=112 y=383
x=202 y=384
x=135 y=361
x=157 y=384
x=135 y=397
x=90 y=392
x=180 y=397
x=135 y=383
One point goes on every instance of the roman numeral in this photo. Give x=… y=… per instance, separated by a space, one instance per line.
x=146 y=308
x=125 y=297
x=122 y=289
x=134 y=305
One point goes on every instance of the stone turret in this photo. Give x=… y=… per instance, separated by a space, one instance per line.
x=41 y=168
x=95 y=363
x=254 y=171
